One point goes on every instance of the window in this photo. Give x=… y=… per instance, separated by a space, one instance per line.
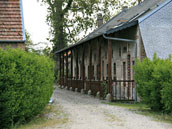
x=124 y=71
x=120 y=52
x=75 y=72
x=94 y=57
x=88 y=72
x=112 y=53
x=114 y=70
x=107 y=69
x=124 y=49
x=102 y=68
x=105 y=54
x=133 y=63
x=97 y=72
x=93 y=72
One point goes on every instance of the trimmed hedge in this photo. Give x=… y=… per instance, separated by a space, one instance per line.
x=26 y=85
x=154 y=83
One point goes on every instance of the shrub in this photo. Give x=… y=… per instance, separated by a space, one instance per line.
x=154 y=83
x=26 y=85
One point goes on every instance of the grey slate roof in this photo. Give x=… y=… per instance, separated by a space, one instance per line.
x=125 y=17
x=156 y=31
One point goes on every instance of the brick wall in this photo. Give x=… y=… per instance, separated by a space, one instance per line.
x=13 y=45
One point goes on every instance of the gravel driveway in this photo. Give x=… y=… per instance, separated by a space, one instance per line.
x=85 y=112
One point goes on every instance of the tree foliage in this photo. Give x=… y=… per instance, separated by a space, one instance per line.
x=31 y=47
x=29 y=42
x=69 y=19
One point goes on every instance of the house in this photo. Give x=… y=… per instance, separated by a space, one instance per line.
x=12 y=31
x=109 y=53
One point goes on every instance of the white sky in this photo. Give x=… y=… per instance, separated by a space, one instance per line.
x=35 y=20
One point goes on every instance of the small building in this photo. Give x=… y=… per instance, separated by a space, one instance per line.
x=109 y=53
x=12 y=32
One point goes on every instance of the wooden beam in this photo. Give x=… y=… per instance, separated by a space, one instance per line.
x=109 y=66
x=71 y=66
x=83 y=66
x=63 y=69
x=66 y=68
x=60 y=65
x=90 y=64
x=99 y=62
x=77 y=67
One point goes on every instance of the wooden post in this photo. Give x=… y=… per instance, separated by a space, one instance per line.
x=109 y=67
x=67 y=68
x=77 y=72
x=60 y=66
x=71 y=67
x=83 y=66
x=71 y=64
x=129 y=73
x=90 y=63
x=99 y=62
x=77 y=69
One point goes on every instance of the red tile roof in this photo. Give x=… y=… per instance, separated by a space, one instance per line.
x=10 y=20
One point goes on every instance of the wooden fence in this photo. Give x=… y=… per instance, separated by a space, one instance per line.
x=123 y=90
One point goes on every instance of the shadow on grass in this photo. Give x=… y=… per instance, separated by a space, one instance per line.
x=143 y=109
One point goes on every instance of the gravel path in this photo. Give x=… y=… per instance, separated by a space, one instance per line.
x=87 y=112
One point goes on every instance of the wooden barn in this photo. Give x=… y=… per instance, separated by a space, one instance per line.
x=108 y=54
x=12 y=32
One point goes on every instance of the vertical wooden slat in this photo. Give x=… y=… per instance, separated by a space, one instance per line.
x=99 y=63
x=90 y=63
x=109 y=67
x=77 y=67
x=60 y=65
x=67 y=68
x=63 y=68
x=71 y=66
x=83 y=66
x=129 y=72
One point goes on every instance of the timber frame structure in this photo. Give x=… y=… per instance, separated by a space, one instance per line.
x=103 y=61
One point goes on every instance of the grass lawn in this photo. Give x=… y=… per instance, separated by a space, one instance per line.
x=52 y=116
x=144 y=110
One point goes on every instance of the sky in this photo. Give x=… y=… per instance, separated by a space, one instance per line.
x=35 y=20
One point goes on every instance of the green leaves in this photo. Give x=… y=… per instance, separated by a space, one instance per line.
x=71 y=20
x=26 y=85
x=154 y=82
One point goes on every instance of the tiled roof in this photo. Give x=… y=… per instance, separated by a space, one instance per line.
x=11 y=20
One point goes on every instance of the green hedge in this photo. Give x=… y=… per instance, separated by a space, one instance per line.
x=154 y=83
x=26 y=85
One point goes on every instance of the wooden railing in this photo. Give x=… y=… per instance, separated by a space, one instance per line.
x=123 y=89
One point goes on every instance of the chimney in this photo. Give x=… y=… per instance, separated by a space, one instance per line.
x=139 y=1
x=124 y=8
x=99 y=20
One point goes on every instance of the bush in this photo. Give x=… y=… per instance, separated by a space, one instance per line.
x=26 y=85
x=154 y=83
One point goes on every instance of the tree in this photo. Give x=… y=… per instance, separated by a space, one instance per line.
x=29 y=42
x=31 y=47
x=69 y=19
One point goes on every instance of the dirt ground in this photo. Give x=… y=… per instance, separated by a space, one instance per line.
x=85 y=112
